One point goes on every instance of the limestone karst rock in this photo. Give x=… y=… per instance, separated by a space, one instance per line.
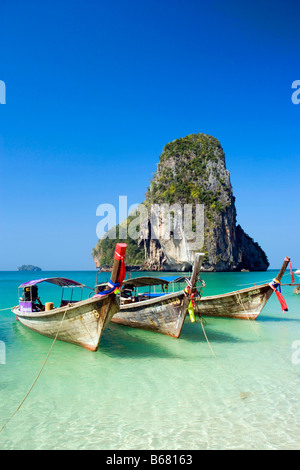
x=192 y=179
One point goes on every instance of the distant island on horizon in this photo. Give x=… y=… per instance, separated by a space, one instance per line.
x=28 y=267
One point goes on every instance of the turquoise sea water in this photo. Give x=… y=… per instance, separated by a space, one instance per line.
x=143 y=390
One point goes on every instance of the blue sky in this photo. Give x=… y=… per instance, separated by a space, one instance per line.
x=95 y=89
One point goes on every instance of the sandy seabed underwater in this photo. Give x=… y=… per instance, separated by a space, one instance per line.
x=143 y=390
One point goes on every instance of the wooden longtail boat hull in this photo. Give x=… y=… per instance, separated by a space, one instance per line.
x=165 y=315
x=81 y=323
x=243 y=304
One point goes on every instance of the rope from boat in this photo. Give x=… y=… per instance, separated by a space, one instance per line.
x=36 y=379
x=260 y=282
x=8 y=308
x=259 y=336
x=243 y=395
x=240 y=301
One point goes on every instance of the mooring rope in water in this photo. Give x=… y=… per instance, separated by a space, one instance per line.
x=36 y=379
x=243 y=395
x=8 y=308
x=240 y=301
x=259 y=336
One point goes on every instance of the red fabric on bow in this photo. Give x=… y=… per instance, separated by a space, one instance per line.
x=192 y=295
x=279 y=297
x=120 y=255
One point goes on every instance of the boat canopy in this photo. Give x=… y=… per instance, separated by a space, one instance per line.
x=59 y=281
x=144 y=281
x=176 y=278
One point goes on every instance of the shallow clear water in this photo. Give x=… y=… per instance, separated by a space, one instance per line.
x=143 y=390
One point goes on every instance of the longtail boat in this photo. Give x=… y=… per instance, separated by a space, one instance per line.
x=160 y=312
x=245 y=303
x=78 y=322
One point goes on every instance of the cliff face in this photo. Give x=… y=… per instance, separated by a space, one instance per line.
x=193 y=184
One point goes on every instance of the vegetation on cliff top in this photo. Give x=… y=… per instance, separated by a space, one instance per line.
x=105 y=249
x=183 y=173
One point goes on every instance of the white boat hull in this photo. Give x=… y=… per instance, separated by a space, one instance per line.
x=81 y=323
x=164 y=315
x=244 y=304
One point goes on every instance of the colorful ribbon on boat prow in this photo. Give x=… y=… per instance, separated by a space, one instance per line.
x=115 y=287
x=191 y=304
x=292 y=274
x=275 y=286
